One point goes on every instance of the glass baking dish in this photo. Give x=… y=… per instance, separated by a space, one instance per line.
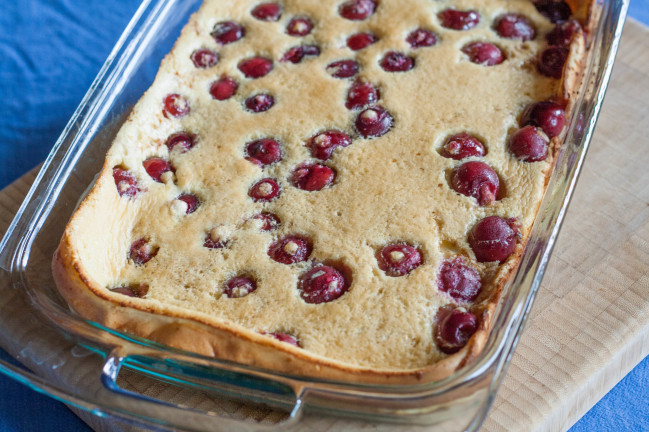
x=459 y=402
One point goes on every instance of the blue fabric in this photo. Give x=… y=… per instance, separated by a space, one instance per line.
x=50 y=50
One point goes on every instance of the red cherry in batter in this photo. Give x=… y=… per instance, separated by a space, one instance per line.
x=312 y=177
x=291 y=249
x=397 y=62
x=493 y=239
x=552 y=60
x=175 y=106
x=373 y=122
x=454 y=329
x=297 y=53
x=132 y=290
x=264 y=190
x=357 y=10
x=260 y=103
x=142 y=251
x=462 y=146
x=156 y=167
x=361 y=94
x=255 y=67
x=299 y=27
x=459 y=20
x=224 y=88
x=343 y=69
x=180 y=141
x=563 y=33
x=359 y=41
x=191 y=201
x=227 y=32
x=421 y=38
x=515 y=26
x=267 y=221
x=267 y=12
x=461 y=282
x=476 y=179
x=322 y=284
x=324 y=143
x=239 y=286
x=204 y=58
x=529 y=144
x=484 y=53
x=264 y=151
x=398 y=259
x=125 y=182
x=549 y=116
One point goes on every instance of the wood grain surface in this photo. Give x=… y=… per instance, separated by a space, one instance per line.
x=589 y=326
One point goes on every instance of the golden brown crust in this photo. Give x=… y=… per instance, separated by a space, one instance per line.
x=214 y=338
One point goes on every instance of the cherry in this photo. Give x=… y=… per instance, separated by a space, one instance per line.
x=312 y=177
x=190 y=202
x=462 y=146
x=291 y=249
x=373 y=122
x=361 y=94
x=396 y=62
x=563 y=33
x=267 y=12
x=141 y=251
x=484 y=53
x=227 y=32
x=454 y=329
x=493 y=239
x=215 y=239
x=476 y=179
x=421 y=38
x=156 y=167
x=260 y=103
x=555 y=11
x=204 y=58
x=359 y=41
x=224 y=88
x=357 y=10
x=267 y=221
x=181 y=141
x=297 y=53
x=514 y=26
x=324 y=143
x=529 y=144
x=343 y=69
x=299 y=27
x=552 y=60
x=132 y=290
x=285 y=337
x=321 y=284
x=255 y=67
x=398 y=259
x=264 y=190
x=458 y=280
x=459 y=20
x=175 y=105
x=549 y=116
x=264 y=151
x=239 y=286
x=125 y=182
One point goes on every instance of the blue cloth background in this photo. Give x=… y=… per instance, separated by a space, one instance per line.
x=50 y=51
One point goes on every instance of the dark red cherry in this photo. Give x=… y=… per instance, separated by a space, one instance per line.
x=462 y=146
x=180 y=141
x=264 y=190
x=255 y=67
x=175 y=105
x=322 y=284
x=239 y=286
x=260 y=103
x=554 y=10
x=373 y=122
x=291 y=249
x=267 y=11
x=126 y=183
x=361 y=94
x=529 y=144
x=312 y=177
x=227 y=32
x=549 y=116
x=214 y=239
x=515 y=26
x=285 y=337
x=459 y=281
x=359 y=41
x=357 y=10
x=191 y=201
x=563 y=33
x=224 y=88
x=324 y=143
x=552 y=60
x=297 y=53
x=454 y=329
x=476 y=179
x=265 y=151
x=459 y=20
x=267 y=221
x=396 y=62
x=156 y=167
x=299 y=27
x=343 y=69
x=484 y=53
x=204 y=58
x=132 y=290
x=141 y=251
x=398 y=259
x=493 y=239
x=421 y=38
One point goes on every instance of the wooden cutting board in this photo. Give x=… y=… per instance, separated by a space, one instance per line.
x=590 y=324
